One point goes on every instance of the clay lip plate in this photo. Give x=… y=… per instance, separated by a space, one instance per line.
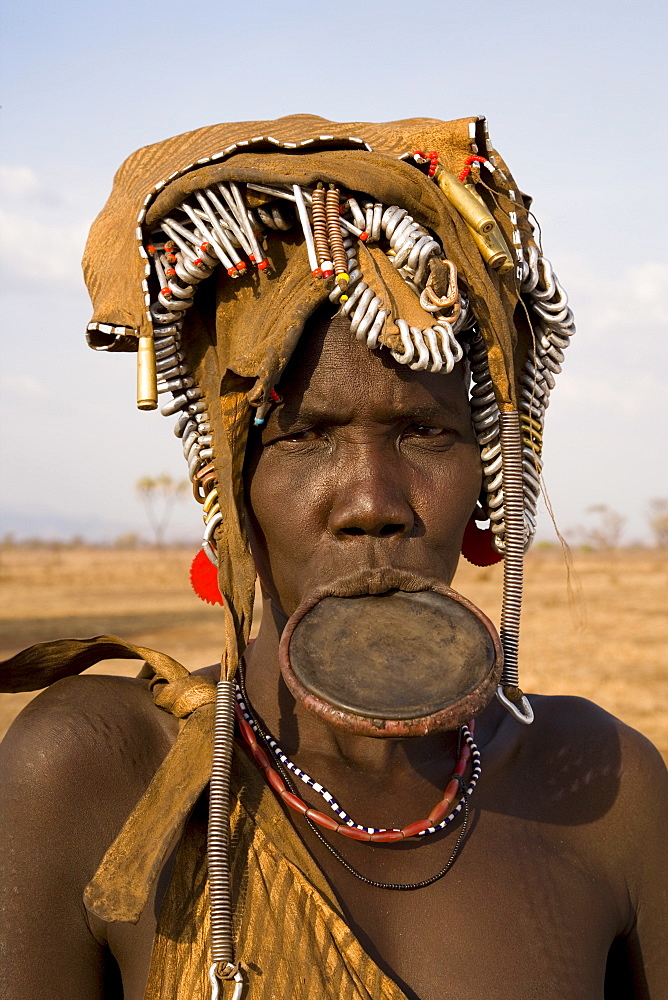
x=394 y=661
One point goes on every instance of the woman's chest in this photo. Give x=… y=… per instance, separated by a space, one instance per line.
x=519 y=915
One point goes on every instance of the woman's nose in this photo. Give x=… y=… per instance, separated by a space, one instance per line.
x=371 y=501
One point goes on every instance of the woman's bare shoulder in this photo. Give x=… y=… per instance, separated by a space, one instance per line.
x=90 y=714
x=598 y=773
x=73 y=766
x=567 y=724
x=604 y=791
x=87 y=743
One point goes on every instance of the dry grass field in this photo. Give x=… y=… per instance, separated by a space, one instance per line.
x=605 y=640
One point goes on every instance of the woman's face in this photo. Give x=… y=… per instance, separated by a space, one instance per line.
x=364 y=465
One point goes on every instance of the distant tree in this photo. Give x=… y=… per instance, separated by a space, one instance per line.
x=158 y=495
x=128 y=541
x=606 y=534
x=658 y=521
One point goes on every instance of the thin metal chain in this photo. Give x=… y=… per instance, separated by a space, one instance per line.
x=398 y=886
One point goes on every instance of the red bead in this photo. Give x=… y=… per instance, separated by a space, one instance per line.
x=451 y=789
x=233 y=273
x=261 y=757
x=294 y=802
x=386 y=837
x=317 y=272
x=241 y=266
x=263 y=265
x=353 y=834
x=322 y=820
x=275 y=780
x=364 y=237
x=197 y=261
x=251 y=257
x=327 y=274
x=246 y=731
x=440 y=811
x=413 y=829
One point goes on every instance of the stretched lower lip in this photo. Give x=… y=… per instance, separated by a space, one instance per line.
x=406 y=656
x=374 y=580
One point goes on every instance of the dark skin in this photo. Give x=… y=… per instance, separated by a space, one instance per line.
x=364 y=465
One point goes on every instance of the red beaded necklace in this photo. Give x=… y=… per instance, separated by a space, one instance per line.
x=276 y=782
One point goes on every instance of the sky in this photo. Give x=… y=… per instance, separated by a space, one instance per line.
x=574 y=94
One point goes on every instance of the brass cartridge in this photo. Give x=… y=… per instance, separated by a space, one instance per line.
x=147 y=382
x=494 y=251
x=471 y=209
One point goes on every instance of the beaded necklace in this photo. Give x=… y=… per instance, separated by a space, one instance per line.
x=397 y=886
x=400 y=886
x=437 y=819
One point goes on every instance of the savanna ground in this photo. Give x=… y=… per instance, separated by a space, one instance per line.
x=605 y=638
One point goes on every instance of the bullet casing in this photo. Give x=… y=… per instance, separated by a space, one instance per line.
x=472 y=210
x=492 y=245
x=147 y=382
x=493 y=251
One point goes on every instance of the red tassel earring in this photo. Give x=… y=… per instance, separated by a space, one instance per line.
x=478 y=543
x=204 y=579
x=204 y=567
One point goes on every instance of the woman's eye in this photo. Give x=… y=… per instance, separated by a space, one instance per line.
x=422 y=430
x=298 y=437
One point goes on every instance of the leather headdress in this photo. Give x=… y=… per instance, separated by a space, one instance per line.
x=238 y=350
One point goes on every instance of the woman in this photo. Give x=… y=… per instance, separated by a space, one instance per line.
x=359 y=384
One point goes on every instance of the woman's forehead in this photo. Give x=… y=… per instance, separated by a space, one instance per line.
x=330 y=368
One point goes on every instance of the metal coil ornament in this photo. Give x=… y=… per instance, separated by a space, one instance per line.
x=339 y=258
x=272 y=217
x=218 y=842
x=435 y=349
x=219 y=824
x=509 y=692
x=553 y=328
x=320 y=237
